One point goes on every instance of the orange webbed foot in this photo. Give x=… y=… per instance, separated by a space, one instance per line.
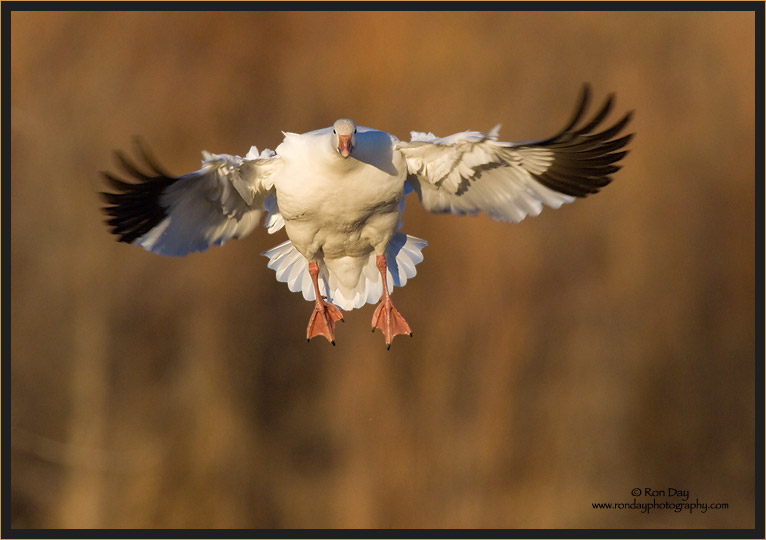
x=322 y=321
x=388 y=319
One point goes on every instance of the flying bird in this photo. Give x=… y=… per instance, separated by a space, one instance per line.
x=339 y=194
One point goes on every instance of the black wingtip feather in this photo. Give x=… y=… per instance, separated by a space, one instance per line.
x=599 y=117
x=579 y=111
x=582 y=160
x=135 y=208
x=142 y=149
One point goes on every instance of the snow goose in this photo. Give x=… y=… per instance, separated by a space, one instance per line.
x=339 y=194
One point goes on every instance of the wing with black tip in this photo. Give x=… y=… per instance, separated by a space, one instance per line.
x=176 y=215
x=471 y=171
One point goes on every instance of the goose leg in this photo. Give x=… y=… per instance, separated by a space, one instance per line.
x=322 y=321
x=386 y=316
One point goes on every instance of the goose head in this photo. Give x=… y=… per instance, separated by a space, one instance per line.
x=344 y=136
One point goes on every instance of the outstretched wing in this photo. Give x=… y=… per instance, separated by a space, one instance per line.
x=177 y=215
x=471 y=171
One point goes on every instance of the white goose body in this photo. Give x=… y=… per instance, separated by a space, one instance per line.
x=339 y=193
x=347 y=218
x=354 y=209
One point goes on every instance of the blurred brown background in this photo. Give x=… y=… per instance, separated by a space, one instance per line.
x=555 y=363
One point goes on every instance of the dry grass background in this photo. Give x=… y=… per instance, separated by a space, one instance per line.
x=555 y=363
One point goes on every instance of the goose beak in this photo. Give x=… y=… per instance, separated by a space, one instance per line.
x=344 y=145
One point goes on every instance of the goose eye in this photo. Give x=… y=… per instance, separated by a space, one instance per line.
x=333 y=131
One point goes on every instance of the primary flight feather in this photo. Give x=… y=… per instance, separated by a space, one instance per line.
x=339 y=193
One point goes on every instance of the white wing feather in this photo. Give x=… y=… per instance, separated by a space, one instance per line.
x=470 y=172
